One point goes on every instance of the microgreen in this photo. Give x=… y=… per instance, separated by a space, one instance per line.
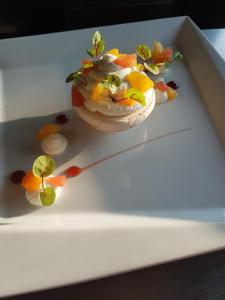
x=144 y=52
x=43 y=166
x=153 y=68
x=115 y=79
x=47 y=196
x=76 y=76
x=136 y=95
x=111 y=86
x=98 y=44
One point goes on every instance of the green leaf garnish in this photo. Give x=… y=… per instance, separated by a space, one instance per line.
x=98 y=45
x=136 y=95
x=111 y=86
x=76 y=77
x=47 y=196
x=177 y=56
x=43 y=166
x=153 y=68
x=115 y=79
x=91 y=52
x=143 y=51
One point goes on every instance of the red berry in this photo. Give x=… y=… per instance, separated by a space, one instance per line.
x=17 y=176
x=61 y=119
x=73 y=171
x=173 y=84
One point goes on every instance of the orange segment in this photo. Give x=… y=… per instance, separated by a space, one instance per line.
x=96 y=92
x=127 y=102
x=30 y=182
x=56 y=180
x=47 y=130
x=77 y=98
x=139 y=81
x=113 y=51
x=171 y=93
x=126 y=60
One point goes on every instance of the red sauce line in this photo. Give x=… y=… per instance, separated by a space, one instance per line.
x=133 y=147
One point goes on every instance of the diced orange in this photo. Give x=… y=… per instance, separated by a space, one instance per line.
x=171 y=93
x=139 y=81
x=77 y=98
x=113 y=51
x=56 y=180
x=161 y=86
x=30 y=182
x=96 y=92
x=47 y=130
x=126 y=60
x=127 y=102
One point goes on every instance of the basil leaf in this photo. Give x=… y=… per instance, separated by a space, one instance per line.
x=91 y=52
x=177 y=56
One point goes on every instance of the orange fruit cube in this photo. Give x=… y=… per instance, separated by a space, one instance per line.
x=114 y=51
x=171 y=93
x=126 y=60
x=47 y=130
x=139 y=81
x=127 y=102
x=56 y=180
x=30 y=182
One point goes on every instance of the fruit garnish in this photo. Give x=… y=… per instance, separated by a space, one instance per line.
x=144 y=52
x=171 y=93
x=43 y=166
x=126 y=60
x=113 y=51
x=61 y=119
x=17 y=176
x=139 y=81
x=56 y=180
x=87 y=63
x=77 y=98
x=127 y=102
x=47 y=196
x=47 y=130
x=157 y=48
x=161 y=86
x=136 y=95
x=73 y=171
x=96 y=92
x=173 y=84
x=98 y=44
x=30 y=182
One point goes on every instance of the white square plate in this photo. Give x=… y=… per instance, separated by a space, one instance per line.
x=159 y=202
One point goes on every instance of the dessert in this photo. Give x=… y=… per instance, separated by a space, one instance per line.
x=112 y=91
x=109 y=91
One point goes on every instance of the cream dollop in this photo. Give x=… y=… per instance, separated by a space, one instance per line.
x=54 y=144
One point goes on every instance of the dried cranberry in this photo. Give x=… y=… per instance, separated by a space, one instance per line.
x=173 y=84
x=17 y=176
x=61 y=119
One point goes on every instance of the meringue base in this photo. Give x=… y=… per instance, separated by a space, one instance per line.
x=108 y=124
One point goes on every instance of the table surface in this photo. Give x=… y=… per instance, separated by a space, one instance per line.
x=197 y=278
